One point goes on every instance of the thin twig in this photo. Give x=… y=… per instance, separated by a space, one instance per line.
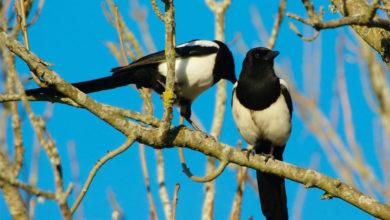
x=29 y=188
x=175 y=200
x=235 y=214
x=307 y=39
x=219 y=9
x=157 y=10
x=75 y=171
x=139 y=14
x=117 y=213
x=11 y=193
x=278 y=22
x=301 y=194
x=211 y=175
x=152 y=206
x=316 y=20
x=33 y=176
x=96 y=168
x=20 y=10
x=262 y=33
x=16 y=120
x=37 y=13
x=162 y=189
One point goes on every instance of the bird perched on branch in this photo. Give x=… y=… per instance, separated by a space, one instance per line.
x=199 y=65
x=262 y=110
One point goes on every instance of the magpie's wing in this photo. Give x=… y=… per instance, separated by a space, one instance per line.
x=182 y=51
x=287 y=97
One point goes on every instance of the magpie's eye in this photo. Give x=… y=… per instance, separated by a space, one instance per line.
x=257 y=55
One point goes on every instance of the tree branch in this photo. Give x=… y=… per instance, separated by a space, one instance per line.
x=358 y=14
x=170 y=53
x=96 y=168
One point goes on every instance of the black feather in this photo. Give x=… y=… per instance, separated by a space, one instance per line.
x=272 y=192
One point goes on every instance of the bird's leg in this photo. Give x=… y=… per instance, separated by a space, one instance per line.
x=187 y=117
x=197 y=128
x=249 y=151
x=270 y=155
x=185 y=112
x=193 y=124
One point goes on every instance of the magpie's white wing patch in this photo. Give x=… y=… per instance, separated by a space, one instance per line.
x=272 y=123
x=283 y=82
x=192 y=74
x=202 y=43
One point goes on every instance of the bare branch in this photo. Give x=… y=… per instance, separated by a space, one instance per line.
x=301 y=194
x=28 y=188
x=219 y=10
x=278 y=22
x=96 y=168
x=175 y=200
x=16 y=121
x=211 y=175
x=10 y=192
x=147 y=119
x=358 y=14
x=259 y=25
x=139 y=14
x=242 y=173
x=380 y=86
x=170 y=53
x=117 y=213
x=153 y=212
x=307 y=39
x=20 y=10
x=157 y=10
x=162 y=189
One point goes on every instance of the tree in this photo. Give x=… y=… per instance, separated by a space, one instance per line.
x=339 y=140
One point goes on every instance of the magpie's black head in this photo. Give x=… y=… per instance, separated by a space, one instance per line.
x=259 y=63
x=224 y=66
x=260 y=56
x=258 y=86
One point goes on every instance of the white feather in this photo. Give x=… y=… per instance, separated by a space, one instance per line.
x=194 y=74
x=272 y=123
x=203 y=43
x=283 y=82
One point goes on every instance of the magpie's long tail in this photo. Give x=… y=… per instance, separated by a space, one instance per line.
x=139 y=78
x=272 y=190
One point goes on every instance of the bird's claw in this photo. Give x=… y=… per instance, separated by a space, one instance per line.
x=268 y=156
x=249 y=151
x=197 y=128
x=209 y=136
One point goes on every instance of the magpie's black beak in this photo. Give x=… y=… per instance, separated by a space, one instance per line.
x=272 y=54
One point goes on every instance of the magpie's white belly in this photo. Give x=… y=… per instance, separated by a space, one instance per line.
x=193 y=75
x=272 y=123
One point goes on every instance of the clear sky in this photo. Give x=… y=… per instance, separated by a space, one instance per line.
x=72 y=34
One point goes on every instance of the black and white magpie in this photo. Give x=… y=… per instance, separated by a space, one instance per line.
x=262 y=110
x=199 y=65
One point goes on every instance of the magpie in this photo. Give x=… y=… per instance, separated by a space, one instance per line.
x=262 y=109
x=199 y=65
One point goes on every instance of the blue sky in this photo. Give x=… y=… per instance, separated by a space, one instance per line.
x=72 y=35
